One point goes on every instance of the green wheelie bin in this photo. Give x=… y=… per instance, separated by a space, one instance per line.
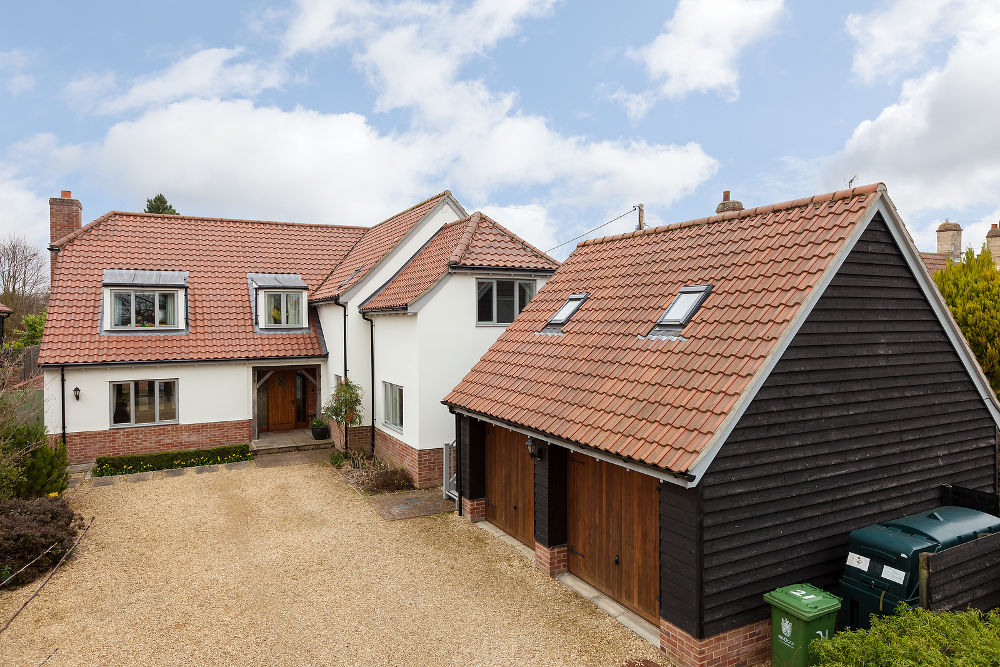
x=799 y=614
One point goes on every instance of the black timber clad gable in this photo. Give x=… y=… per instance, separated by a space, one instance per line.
x=680 y=544
x=472 y=441
x=866 y=414
x=551 y=496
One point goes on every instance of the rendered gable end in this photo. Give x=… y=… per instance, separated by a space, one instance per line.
x=867 y=412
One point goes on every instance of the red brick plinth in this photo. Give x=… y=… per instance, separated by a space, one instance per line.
x=86 y=446
x=474 y=510
x=552 y=560
x=425 y=466
x=739 y=647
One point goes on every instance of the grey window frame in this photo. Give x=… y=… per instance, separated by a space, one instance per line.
x=131 y=406
x=178 y=315
x=517 y=298
x=389 y=407
x=683 y=318
x=265 y=319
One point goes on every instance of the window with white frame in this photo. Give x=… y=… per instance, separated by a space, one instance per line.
x=392 y=407
x=145 y=309
x=283 y=309
x=500 y=301
x=138 y=402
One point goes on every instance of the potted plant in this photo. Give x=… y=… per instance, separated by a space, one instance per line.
x=320 y=429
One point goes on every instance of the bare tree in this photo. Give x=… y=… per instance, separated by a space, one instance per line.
x=23 y=279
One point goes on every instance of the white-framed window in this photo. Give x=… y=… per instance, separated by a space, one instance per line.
x=145 y=309
x=392 y=406
x=139 y=402
x=283 y=309
x=500 y=301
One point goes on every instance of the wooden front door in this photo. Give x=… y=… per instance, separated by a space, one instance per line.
x=281 y=401
x=614 y=532
x=510 y=484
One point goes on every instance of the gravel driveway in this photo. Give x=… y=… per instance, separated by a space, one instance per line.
x=290 y=566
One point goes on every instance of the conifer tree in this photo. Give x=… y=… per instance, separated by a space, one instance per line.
x=159 y=204
x=971 y=288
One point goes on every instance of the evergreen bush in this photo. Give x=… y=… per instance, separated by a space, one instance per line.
x=916 y=637
x=44 y=470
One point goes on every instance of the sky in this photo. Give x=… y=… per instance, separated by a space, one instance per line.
x=552 y=117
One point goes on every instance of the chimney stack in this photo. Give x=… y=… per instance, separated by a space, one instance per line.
x=65 y=217
x=728 y=205
x=949 y=239
x=993 y=243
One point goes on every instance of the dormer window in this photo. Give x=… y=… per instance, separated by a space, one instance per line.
x=563 y=315
x=141 y=300
x=500 y=301
x=281 y=300
x=681 y=310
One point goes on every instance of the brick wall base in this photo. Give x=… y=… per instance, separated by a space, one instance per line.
x=474 y=510
x=86 y=446
x=425 y=466
x=739 y=647
x=552 y=560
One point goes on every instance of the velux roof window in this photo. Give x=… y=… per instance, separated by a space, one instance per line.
x=680 y=311
x=563 y=315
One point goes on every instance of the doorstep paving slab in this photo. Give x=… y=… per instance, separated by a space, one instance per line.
x=292 y=458
x=410 y=504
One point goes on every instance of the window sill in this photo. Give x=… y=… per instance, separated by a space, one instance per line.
x=279 y=327
x=493 y=324
x=143 y=329
x=145 y=424
x=393 y=427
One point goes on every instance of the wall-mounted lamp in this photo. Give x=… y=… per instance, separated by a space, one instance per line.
x=76 y=393
x=536 y=450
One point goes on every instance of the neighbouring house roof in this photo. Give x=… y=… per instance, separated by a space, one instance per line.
x=476 y=241
x=934 y=261
x=5 y=309
x=217 y=254
x=376 y=243
x=603 y=383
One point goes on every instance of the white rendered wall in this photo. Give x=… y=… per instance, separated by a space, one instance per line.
x=397 y=361
x=205 y=393
x=450 y=343
x=358 y=335
x=331 y=319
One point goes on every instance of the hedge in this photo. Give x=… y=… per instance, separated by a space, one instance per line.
x=130 y=463
x=916 y=637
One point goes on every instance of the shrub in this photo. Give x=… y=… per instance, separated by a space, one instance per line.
x=28 y=528
x=916 y=637
x=44 y=470
x=372 y=476
x=337 y=458
x=344 y=406
x=130 y=463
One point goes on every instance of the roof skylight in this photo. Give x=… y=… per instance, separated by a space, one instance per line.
x=681 y=310
x=351 y=277
x=565 y=312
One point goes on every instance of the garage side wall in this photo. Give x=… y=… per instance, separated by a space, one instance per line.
x=867 y=413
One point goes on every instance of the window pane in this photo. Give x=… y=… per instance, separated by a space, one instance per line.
x=399 y=407
x=166 y=309
x=145 y=402
x=484 y=301
x=678 y=310
x=273 y=302
x=568 y=308
x=121 y=316
x=168 y=401
x=144 y=308
x=525 y=290
x=293 y=302
x=505 y=301
x=122 y=404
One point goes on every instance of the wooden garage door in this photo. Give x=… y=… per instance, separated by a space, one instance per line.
x=510 y=484
x=614 y=532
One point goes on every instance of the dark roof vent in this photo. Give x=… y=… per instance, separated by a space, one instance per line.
x=728 y=205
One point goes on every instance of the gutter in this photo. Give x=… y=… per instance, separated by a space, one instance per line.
x=371 y=346
x=336 y=301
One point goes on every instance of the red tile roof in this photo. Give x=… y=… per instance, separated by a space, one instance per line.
x=217 y=253
x=373 y=246
x=475 y=241
x=934 y=261
x=603 y=384
x=5 y=309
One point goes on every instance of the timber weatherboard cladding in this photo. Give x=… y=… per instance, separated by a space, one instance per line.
x=551 y=496
x=866 y=414
x=680 y=544
x=472 y=440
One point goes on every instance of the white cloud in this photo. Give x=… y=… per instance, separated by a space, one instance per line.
x=208 y=73
x=13 y=64
x=936 y=147
x=21 y=211
x=700 y=48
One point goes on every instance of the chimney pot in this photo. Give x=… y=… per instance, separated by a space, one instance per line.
x=728 y=204
x=725 y=195
x=995 y=225
x=66 y=194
